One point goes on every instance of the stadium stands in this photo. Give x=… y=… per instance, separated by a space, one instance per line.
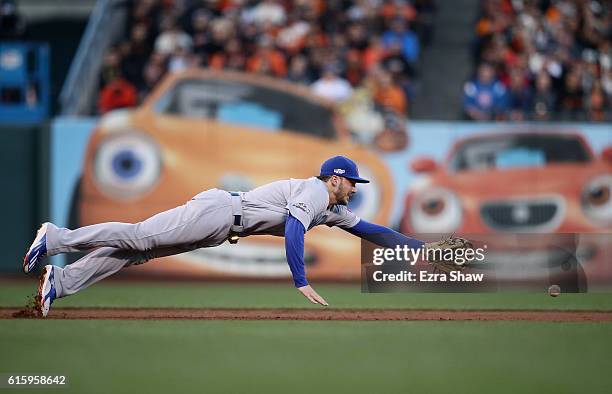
x=542 y=60
x=335 y=46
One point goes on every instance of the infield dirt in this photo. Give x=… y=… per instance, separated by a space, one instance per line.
x=312 y=314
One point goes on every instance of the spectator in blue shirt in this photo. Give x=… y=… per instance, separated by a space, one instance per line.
x=406 y=39
x=485 y=97
x=520 y=96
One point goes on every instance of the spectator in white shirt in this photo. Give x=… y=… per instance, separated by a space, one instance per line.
x=331 y=86
x=266 y=12
x=172 y=38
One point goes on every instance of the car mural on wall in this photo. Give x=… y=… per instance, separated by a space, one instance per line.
x=203 y=129
x=499 y=186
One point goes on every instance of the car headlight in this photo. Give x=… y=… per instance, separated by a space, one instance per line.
x=126 y=165
x=435 y=211
x=366 y=202
x=597 y=199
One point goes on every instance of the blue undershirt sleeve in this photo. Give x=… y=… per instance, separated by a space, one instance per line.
x=294 y=249
x=383 y=236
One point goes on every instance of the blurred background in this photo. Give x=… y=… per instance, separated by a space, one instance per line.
x=485 y=118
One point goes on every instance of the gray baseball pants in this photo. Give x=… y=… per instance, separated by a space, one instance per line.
x=204 y=221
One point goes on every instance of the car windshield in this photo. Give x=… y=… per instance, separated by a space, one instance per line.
x=519 y=151
x=247 y=104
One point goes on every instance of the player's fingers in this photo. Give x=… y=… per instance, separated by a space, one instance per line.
x=320 y=300
x=317 y=297
x=308 y=295
x=313 y=296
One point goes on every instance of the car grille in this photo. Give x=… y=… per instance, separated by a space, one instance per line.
x=515 y=215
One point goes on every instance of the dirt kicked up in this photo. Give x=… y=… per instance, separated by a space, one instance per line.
x=313 y=314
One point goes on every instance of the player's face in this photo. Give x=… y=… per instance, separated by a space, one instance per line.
x=346 y=189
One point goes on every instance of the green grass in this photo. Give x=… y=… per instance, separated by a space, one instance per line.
x=312 y=357
x=225 y=295
x=183 y=356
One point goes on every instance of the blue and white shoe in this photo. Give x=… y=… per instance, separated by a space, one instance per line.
x=46 y=291
x=37 y=250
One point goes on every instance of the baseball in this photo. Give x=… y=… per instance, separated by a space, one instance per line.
x=554 y=291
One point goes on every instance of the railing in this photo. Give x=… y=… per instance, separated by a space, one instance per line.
x=105 y=24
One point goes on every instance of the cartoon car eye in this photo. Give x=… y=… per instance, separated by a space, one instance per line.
x=366 y=202
x=433 y=206
x=597 y=199
x=436 y=211
x=126 y=166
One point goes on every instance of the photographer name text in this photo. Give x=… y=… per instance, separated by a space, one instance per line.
x=426 y=276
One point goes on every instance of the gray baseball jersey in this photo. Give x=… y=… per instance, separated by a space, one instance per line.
x=204 y=221
x=265 y=208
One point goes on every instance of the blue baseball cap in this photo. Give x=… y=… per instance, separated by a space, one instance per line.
x=342 y=166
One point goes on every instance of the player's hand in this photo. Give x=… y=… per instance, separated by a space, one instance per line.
x=312 y=295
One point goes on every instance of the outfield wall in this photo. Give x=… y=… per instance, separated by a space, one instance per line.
x=69 y=138
x=23 y=164
x=44 y=167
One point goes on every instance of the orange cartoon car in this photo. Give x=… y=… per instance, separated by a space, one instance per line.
x=513 y=182
x=497 y=187
x=203 y=129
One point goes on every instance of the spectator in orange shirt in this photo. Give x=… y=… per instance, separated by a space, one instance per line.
x=403 y=10
x=373 y=54
x=233 y=58
x=388 y=94
x=267 y=59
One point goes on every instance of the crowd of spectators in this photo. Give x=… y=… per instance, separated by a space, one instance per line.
x=333 y=46
x=542 y=60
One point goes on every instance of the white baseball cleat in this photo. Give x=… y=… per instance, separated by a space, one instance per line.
x=37 y=250
x=46 y=291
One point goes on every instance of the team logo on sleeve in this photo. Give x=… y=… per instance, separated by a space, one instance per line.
x=302 y=206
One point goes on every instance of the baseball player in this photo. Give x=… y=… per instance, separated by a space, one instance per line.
x=286 y=208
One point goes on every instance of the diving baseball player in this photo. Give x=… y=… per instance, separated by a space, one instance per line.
x=286 y=208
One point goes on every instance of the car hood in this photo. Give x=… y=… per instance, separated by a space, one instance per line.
x=487 y=184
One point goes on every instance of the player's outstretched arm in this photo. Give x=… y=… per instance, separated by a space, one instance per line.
x=383 y=236
x=294 y=249
x=388 y=238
